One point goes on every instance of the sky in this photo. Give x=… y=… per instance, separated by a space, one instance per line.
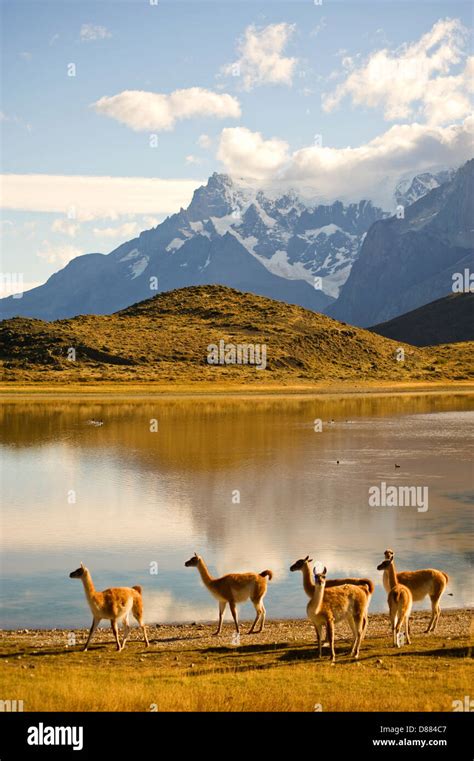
x=111 y=113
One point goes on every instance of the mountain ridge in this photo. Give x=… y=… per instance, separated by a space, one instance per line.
x=446 y=320
x=407 y=262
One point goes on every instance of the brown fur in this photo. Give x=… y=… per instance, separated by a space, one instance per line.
x=367 y=584
x=114 y=604
x=340 y=602
x=425 y=582
x=234 y=588
x=399 y=600
x=303 y=565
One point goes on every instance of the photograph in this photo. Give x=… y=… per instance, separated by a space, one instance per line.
x=236 y=376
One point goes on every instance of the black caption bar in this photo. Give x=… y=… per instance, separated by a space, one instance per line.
x=382 y=735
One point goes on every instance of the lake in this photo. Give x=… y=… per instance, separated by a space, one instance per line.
x=247 y=482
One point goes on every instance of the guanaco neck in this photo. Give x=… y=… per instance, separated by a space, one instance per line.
x=392 y=575
x=308 y=582
x=204 y=573
x=89 y=588
x=317 y=598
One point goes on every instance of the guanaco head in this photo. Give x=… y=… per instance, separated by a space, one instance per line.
x=300 y=563
x=388 y=554
x=78 y=573
x=320 y=578
x=193 y=562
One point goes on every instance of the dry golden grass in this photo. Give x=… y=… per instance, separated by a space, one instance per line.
x=164 y=341
x=187 y=670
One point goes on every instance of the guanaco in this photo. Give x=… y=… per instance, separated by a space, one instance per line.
x=303 y=564
x=341 y=602
x=234 y=588
x=399 y=601
x=114 y=604
x=427 y=581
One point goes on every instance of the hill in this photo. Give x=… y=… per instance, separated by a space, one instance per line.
x=446 y=320
x=166 y=339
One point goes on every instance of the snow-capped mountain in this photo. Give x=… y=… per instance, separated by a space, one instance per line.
x=407 y=262
x=230 y=234
x=411 y=189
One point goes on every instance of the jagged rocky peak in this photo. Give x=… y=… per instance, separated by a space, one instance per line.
x=211 y=200
x=413 y=188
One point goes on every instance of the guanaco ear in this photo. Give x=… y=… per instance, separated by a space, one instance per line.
x=310 y=560
x=325 y=570
x=82 y=564
x=195 y=554
x=307 y=557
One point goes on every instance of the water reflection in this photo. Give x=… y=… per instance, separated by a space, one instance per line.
x=249 y=483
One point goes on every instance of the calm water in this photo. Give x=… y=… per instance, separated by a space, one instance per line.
x=144 y=498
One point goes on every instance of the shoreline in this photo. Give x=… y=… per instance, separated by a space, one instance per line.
x=205 y=390
x=379 y=620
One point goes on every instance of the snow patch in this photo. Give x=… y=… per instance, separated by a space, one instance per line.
x=138 y=267
x=131 y=255
x=175 y=244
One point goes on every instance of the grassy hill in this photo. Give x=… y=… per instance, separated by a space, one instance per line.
x=447 y=320
x=165 y=340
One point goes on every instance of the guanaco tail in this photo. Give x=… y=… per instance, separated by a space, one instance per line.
x=114 y=604
x=235 y=588
x=427 y=581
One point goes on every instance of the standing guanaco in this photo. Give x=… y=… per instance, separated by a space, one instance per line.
x=427 y=581
x=342 y=602
x=399 y=601
x=234 y=588
x=114 y=604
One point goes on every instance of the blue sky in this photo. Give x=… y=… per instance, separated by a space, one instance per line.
x=261 y=123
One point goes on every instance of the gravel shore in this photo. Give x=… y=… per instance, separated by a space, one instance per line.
x=454 y=623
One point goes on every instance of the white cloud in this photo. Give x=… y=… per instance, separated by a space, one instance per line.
x=13 y=119
x=413 y=81
x=149 y=222
x=94 y=197
x=249 y=154
x=65 y=226
x=204 y=141
x=260 y=56
x=367 y=171
x=144 y=111
x=16 y=285
x=61 y=254
x=92 y=32
x=191 y=159
x=127 y=230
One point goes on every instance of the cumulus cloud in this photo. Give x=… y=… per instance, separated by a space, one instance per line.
x=204 y=141
x=60 y=254
x=88 y=198
x=65 y=227
x=91 y=32
x=261 y=60
x=367 y=171
x=127 y=230
x=415 y=80
x=249 y=154
x=145 y=111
